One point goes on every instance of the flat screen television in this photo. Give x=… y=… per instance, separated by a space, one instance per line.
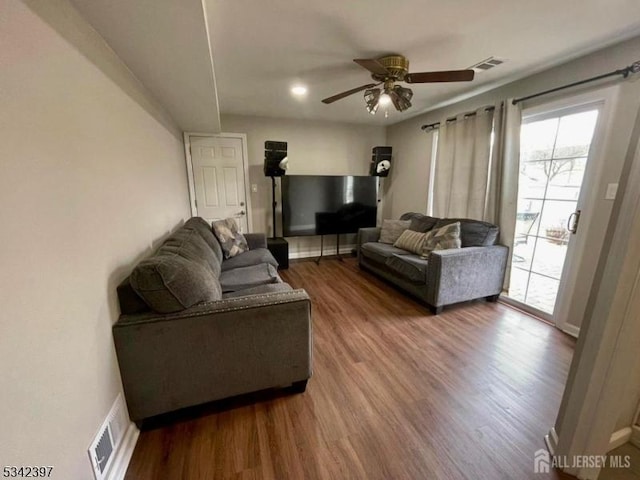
x=324 y=205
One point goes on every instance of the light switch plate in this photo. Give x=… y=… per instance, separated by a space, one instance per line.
x=612 y=190
x=254 y=188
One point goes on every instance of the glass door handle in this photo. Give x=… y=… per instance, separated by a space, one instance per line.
x=572 y=226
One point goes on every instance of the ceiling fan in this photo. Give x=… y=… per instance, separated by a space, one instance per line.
x=387 y=71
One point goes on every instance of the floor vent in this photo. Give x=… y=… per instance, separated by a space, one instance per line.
x=486 y=64
x=108 y=439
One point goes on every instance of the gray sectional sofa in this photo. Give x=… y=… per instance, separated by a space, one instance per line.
x=195 y=327
x=447 y=276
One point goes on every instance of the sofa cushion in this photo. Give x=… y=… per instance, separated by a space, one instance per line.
x=188 y=243
x=411 y=267
x=419 y=222
x=379 y=252
x=392 y=229
x=248 y=277
x=411 y=241
x=130 y=302
x=260 y=290
x=473 y=233
x=169 y=283
x=231 y=240
x=443 y=238
x=251 y=257
x=200 y=225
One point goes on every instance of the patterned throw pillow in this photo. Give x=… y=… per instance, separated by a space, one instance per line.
x=392 y=229
x=442 y=238
x=411 y=241
x=231 y=240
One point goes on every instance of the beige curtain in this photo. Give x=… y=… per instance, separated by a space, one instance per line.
x=463 y=164
x=505 y=160
x=476 y=170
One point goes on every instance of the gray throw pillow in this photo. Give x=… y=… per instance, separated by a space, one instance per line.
x=231 y=240
x=442 y=238
x=392 y=229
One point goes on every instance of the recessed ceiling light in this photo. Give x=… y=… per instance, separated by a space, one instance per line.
x=299 y=90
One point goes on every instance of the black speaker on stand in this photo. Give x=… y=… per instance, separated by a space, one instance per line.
x=275 y=165
x=380 y=166
x=380 y=161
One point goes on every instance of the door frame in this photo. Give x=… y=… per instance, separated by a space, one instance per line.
x=605 y=99
x=245 y=164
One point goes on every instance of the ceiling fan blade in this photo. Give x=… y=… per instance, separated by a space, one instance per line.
x=342 y=95
x=443 y=76
x=372 y=65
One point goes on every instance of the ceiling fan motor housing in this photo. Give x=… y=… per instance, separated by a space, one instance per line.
x=397 y=67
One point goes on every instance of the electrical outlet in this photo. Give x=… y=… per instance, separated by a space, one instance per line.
x=612 y=190
x=254 y=188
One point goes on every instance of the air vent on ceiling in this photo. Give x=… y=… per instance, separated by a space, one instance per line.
x=486 y=64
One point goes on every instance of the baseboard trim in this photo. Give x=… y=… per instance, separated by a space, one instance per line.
x=551 y=441
x=315 y=252
x=123 y=455
x=571 y=330
x=620 y=437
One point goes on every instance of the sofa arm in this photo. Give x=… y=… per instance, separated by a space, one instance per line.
x=366 y=235
x=256 y=240
x=213 y=351
x=458 y=275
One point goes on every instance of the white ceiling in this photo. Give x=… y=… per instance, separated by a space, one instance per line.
x=261 y=48
x=165 y=44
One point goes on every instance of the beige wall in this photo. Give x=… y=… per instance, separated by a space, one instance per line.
x=91 y=173
x=407 y=188
x=314 y=148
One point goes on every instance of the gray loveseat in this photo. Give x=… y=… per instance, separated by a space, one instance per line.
x=195 y=327
x=447 y=276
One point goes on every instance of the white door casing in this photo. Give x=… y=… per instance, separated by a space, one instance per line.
x=604 y=100
x=218 y=174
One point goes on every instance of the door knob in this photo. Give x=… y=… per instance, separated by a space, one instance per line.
x=242 y=204
x=241 y=212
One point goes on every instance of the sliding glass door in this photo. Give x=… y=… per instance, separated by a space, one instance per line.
x=554 y=150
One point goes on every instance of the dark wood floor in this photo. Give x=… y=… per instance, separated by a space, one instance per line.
x=396 y=394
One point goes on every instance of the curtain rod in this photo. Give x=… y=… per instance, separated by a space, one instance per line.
x=633 y=68
x=453 y=119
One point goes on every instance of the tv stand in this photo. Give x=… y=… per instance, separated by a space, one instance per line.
x=322 y=249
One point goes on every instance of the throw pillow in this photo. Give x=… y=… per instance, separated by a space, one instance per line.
x=392 y=229
x=442 y=238
x=411 y=241
x=231 y=240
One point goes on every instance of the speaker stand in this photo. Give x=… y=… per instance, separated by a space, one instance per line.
x=273 y=204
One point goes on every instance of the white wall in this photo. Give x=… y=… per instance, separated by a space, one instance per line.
x=314 y=148
x=408 y=185
x=91 y=173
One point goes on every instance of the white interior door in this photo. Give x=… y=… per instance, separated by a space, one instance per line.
x=219 y=178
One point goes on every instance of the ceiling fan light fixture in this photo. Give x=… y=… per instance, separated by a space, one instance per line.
x=385 y=99
x=372 y=99
x=401 y=98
